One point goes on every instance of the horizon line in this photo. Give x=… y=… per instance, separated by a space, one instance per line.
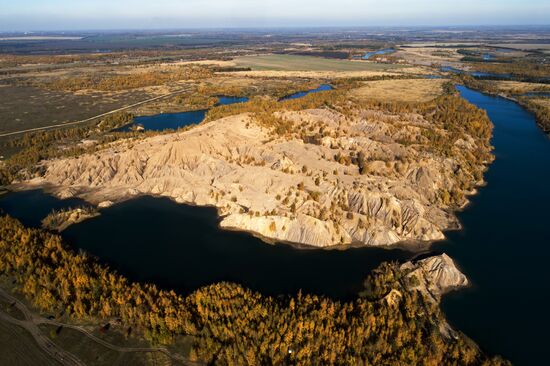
x=195 y=28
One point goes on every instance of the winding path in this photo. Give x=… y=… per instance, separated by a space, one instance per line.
x=43 y=342
x=32 y=321
x=94 y=117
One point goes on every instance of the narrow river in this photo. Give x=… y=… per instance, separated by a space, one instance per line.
x=504 y=248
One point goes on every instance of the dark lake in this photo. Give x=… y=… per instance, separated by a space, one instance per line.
x=181 y=247
x=504 y=248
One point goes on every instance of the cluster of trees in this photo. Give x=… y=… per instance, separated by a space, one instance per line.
x=57 y=281
x=541 y=111
x=61 y=219
x=458 y=118
x=18 y=60
x=129 y=81
x=264 y=108
x=230 y=325
x=38 y=146
x=115 y=120
x=35 y=147
x=525 y=69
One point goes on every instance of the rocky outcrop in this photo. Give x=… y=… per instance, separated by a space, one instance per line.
x=434 y=276
x=60 y=220
x=301 y=229
x=355 y=185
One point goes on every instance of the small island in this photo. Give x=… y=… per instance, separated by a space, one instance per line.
x=62 y=219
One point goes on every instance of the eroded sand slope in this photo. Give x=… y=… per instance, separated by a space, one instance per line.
x=282 y=187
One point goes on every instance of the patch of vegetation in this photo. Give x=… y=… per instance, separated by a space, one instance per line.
x=538 y=106
x=129 y=81
x=61 y=219
x=541 y=109
x=35 y=147
x=19 y=348
x=307 y=63
x=524 y=70
x=231 y=325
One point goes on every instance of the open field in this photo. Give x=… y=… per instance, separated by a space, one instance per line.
x=90 y=352
x=322 y=75
x=411 y=90
x=518 y=87
x=427 y=55
x=25 y=107
x=18 y=348
x=93 y=353
x=308 y=63
x=73 y=344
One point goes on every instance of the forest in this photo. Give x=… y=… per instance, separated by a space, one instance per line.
x=385 y=325
x=106 y=82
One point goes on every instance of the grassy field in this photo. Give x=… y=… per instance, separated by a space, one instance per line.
x=408 y=90
x=90 y=352
x=11 y=310
x=307 y=63
x=18 y=348
x=518 y=87
x=26 y=107
x=93 y=353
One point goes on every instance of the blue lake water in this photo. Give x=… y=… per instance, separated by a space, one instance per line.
x=489 y=75
x=504 y=248
x=173 y=121
x=476 y=74
x=379 y=52
x=451 y=69
x=165 y=121
x=322 y=87
x=504 y=50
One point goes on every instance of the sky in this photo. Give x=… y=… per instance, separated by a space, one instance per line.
x=27 y=15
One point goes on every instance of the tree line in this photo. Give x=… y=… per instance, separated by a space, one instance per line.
x=231 y=325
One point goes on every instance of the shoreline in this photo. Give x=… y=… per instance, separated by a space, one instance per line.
x=413 y=246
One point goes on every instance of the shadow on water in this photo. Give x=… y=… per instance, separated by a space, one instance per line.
x=30 y=207
x=504 y=248
x=181 y=247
